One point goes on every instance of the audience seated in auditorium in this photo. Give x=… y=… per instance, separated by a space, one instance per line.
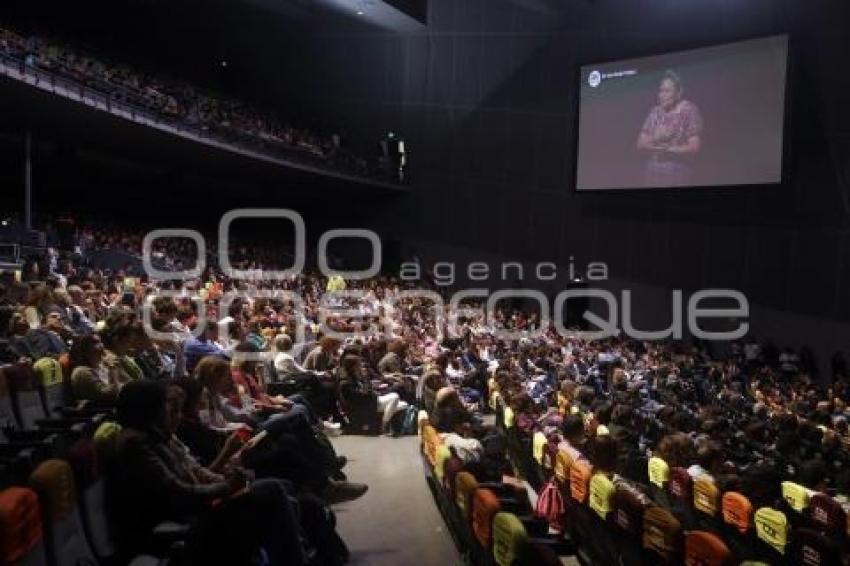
x=209 y=114
x=739 y=417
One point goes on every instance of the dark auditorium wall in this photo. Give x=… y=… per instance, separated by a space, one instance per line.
x=485 y=100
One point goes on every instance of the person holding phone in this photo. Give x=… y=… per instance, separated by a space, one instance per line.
x=281 y=457
x=151 y=481
x=221 y=413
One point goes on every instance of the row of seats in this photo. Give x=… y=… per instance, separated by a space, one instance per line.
x=33 y=414
x=688 y=521
x=52 y=503
x=492 y=523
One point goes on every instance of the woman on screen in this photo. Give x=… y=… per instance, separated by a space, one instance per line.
x=671 y=135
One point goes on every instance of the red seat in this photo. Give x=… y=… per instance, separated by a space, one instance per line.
x=21 y=535
x=627 y=512
x=811 y=548
x=680 y=486
x=706 y=549
x=827 y=515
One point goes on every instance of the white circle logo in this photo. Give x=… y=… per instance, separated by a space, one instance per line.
x=594 y=79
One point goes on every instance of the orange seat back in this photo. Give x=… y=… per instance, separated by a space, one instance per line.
x=580 y=473
x=485 y=505
x=53 y=480
x=737 y=511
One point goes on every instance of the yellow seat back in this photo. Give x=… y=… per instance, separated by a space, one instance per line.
x=601 y=492
x=538 y=445
x=509 y=538
x=706 y=497
x=772 y=527
x=49 y=371
x=659 y=472
x=795 y=495
x=508 y=417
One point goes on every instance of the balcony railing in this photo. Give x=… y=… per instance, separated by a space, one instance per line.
x=131 y=105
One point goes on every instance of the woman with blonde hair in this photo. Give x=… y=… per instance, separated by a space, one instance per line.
x=213 y=373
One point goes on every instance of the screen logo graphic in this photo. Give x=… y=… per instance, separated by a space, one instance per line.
x=594 y=79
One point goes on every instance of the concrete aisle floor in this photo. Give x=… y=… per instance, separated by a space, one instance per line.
x=396 y=522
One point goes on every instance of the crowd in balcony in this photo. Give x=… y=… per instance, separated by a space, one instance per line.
x=182 y=103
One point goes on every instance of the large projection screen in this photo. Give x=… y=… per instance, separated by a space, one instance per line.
x=701 y=118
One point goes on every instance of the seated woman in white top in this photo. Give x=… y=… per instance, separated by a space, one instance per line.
x=353 y=381
x=284 y=362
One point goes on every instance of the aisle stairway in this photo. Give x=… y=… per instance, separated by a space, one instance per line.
x=396 y=522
